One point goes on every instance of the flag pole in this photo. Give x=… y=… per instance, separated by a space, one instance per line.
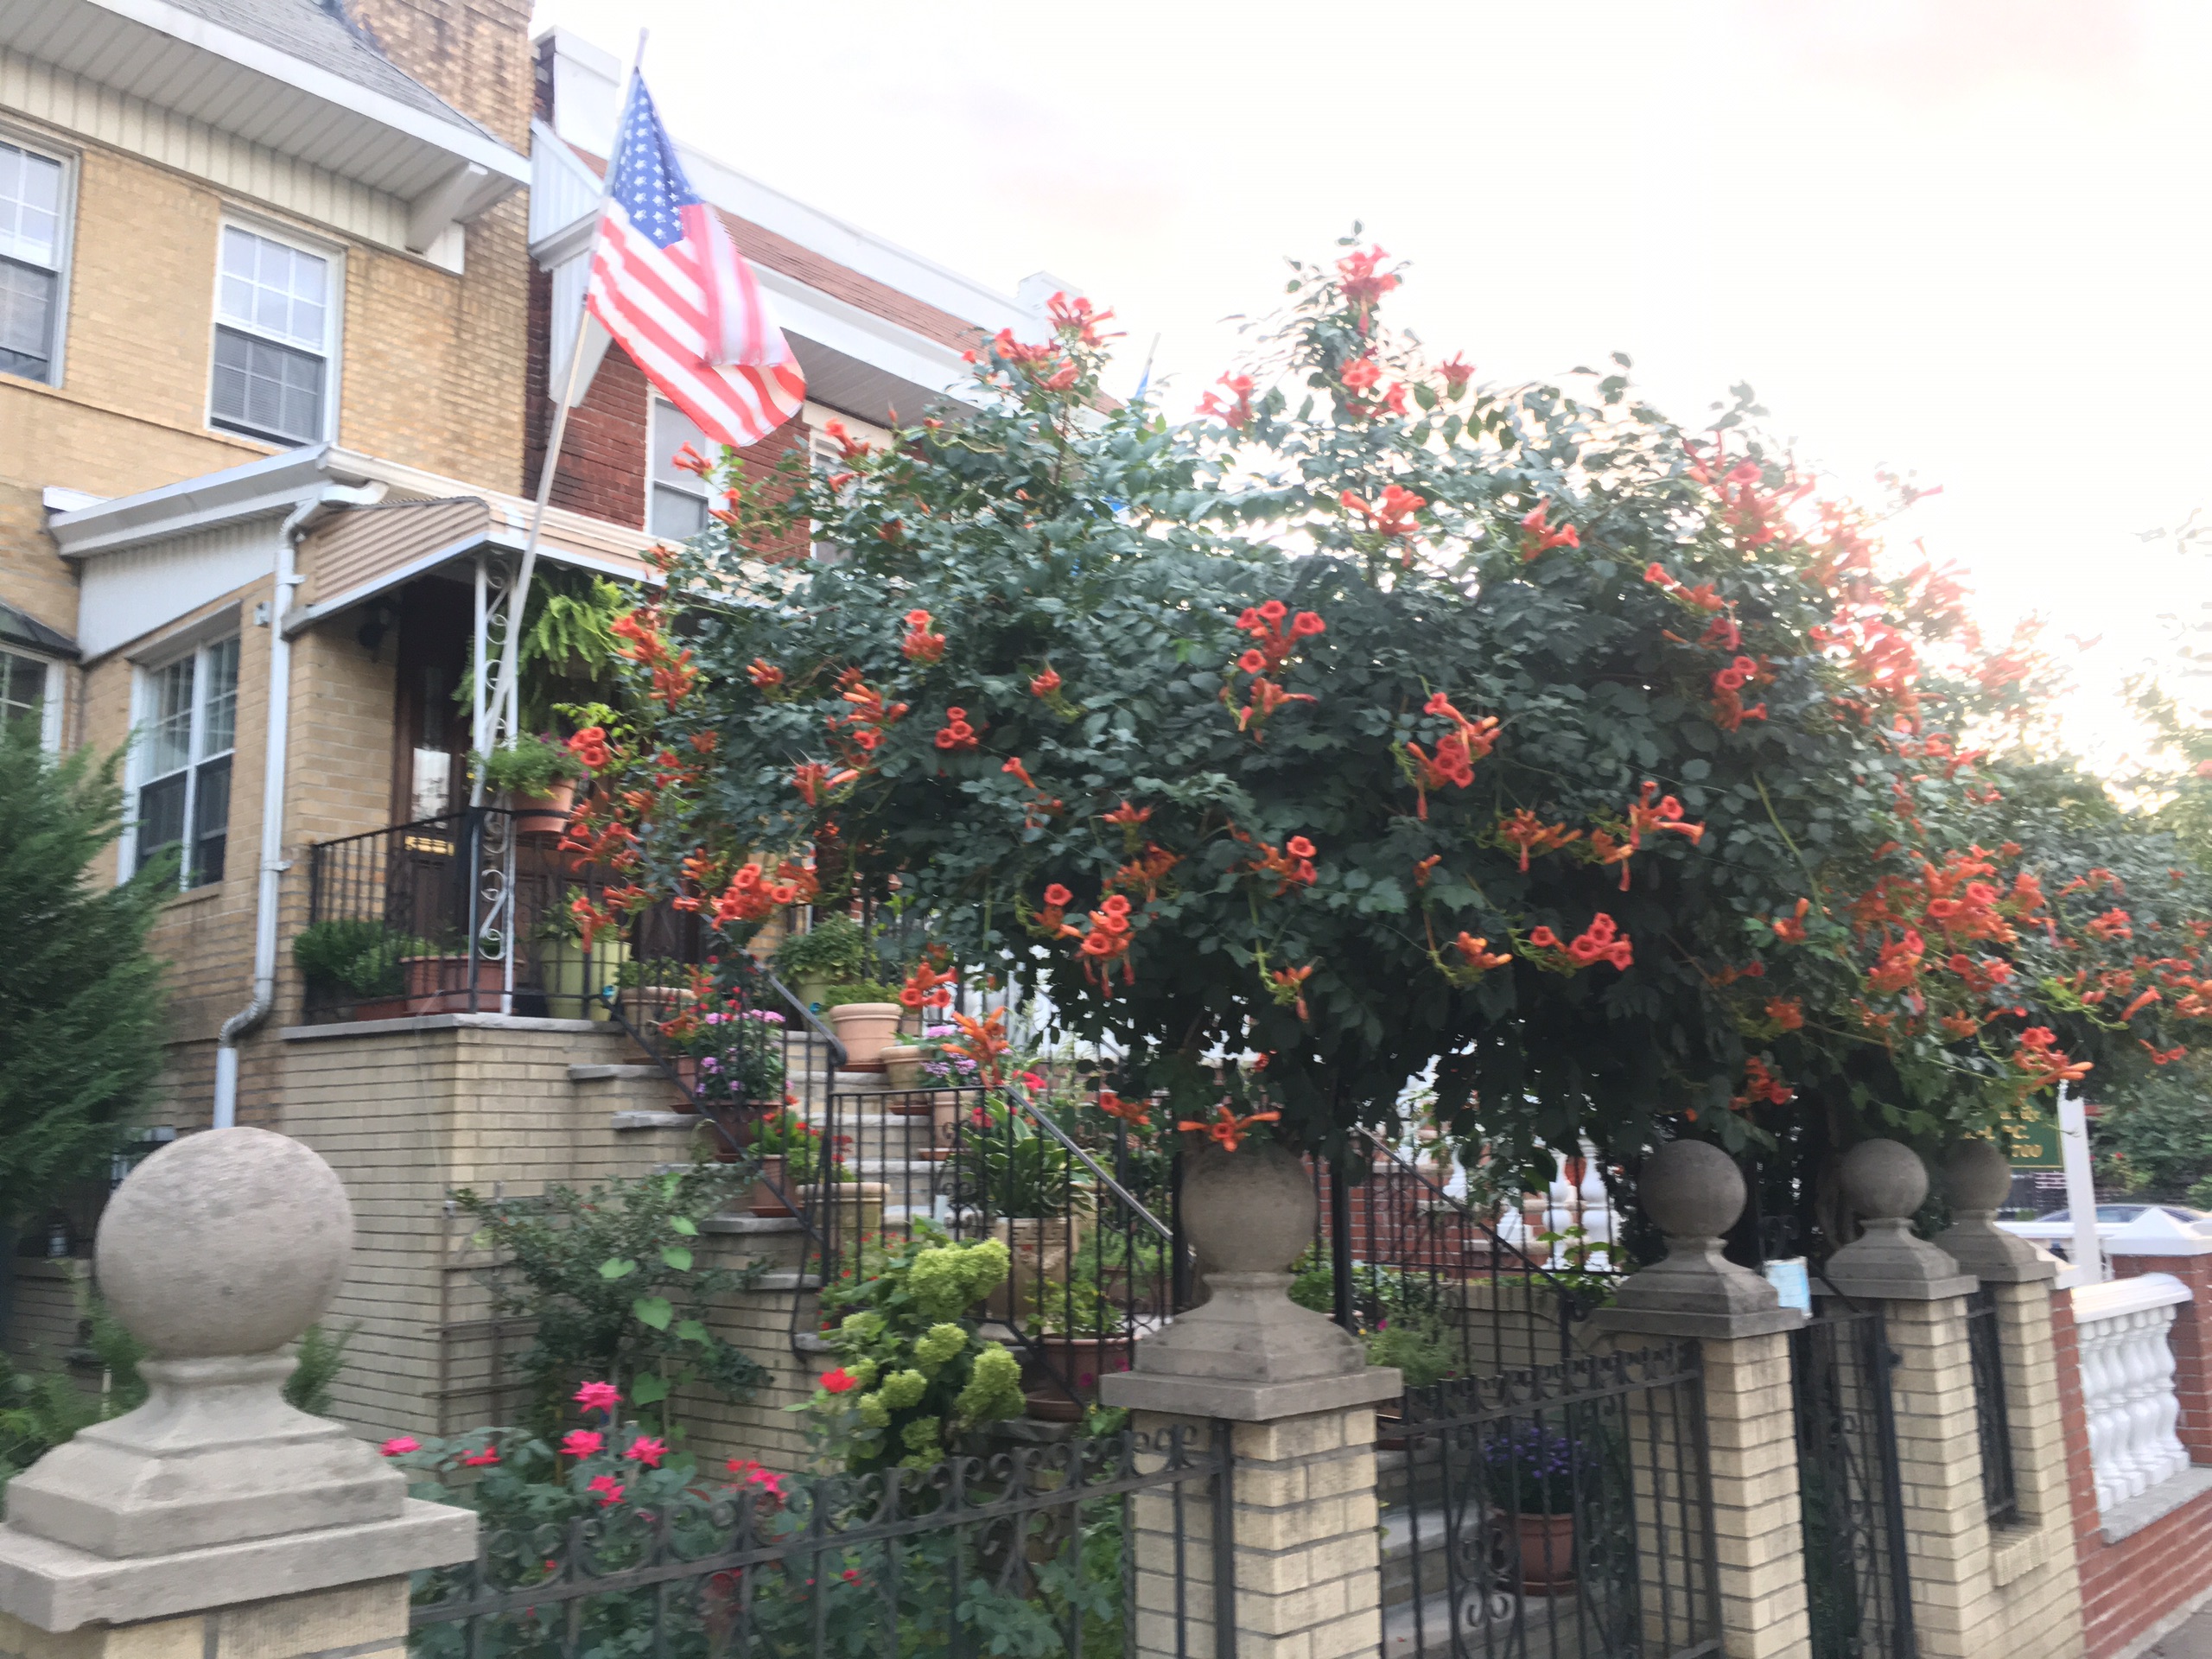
x=506 y=709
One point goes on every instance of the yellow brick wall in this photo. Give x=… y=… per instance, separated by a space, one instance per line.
x=406 y=1115
x=430 y=375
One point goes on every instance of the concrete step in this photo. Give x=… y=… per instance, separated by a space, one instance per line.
x=686 y=1122
x=613 y=1073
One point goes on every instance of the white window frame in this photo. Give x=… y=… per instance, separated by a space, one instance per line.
x=64 y=242
x=333 y=315
x=696 y=489
x=57 y=688
x=193 y=646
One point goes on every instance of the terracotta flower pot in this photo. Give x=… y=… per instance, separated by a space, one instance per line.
x=1080 y=1362
x=441 y=984
x=766 y=1200
x=546 y=814
x=382 y=1007
x=866 y=1029
x=1547 y=1552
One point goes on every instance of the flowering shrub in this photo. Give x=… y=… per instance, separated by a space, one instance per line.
x=913 y=1375
x=1601 y=764
x=740 y=1051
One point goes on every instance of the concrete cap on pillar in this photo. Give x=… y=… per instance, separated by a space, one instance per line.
x=1885 y=1183
x=1693 y=1191
x=215 y=1253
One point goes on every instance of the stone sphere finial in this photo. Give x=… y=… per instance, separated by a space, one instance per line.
x=1692 y=1189
x=1885 y=1180
x=231 y=1242
x=1978 y=1177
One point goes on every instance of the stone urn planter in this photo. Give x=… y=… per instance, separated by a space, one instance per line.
x=866 y=1029
x=771 y=1192
x=843 y=1212
x=902 y=1069
x=1038 y=1248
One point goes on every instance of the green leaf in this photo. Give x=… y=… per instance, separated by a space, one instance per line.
x=648 y=1391
x=656 y=1311
x=677 y=1256
x=691 y=1330
x=685 y=1225
x=617 y=1268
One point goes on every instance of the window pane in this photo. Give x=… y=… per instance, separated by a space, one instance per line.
x=160 y=816
x=276 y=289
x=672 y=429
x=210 y=822
x=30 y=205
x=268 y=390
x=676 y=515
x=169 y=718
x=218 y=699
x=22 y=691
x=26 y=320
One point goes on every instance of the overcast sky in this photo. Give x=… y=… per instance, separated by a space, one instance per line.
x=1966 y=239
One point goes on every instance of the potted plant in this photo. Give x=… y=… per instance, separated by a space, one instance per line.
x=1424 y=1354
x=834 y=951
x=538 y=777
x=788 y=1147
x=574 y=978
x=1024 y=1180
x=442 y=981
x=1533 y=1472
x=738 y=1052
x=1079 y=1336
x=865 y=1014
x=357 y=963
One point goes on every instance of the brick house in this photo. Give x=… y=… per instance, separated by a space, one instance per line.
x=282 y=286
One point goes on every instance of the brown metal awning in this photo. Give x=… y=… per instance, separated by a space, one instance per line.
x=359 y=552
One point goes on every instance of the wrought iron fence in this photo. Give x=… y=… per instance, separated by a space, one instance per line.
x=1985 y=1349
x=1085 y=1212
x=1856 y=1584
x=1400 y=1254
x=1562 y=1510
x=1033 y=1552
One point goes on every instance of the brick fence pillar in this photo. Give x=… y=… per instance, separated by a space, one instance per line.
x=215 y=1521
x=1304 y=1560
x=1693 y=1192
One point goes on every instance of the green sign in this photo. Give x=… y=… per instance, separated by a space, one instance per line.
x=2034 y=1143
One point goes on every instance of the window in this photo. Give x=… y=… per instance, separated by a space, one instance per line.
x=272 y=340
x=30 y=694
x=188 y=720
x=30 y=262
x=677 y=508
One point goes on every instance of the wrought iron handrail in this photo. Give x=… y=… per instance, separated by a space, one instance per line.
x=1043 y=1270
x=1466 y=1210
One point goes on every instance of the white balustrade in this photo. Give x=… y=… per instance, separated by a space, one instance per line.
x=2128 y=1383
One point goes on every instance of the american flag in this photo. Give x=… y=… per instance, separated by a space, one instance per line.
x=671 y=286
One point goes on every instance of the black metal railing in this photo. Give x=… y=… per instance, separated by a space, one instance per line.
x=480 y=910
x=1858 y=1587
x=1561 y=1510
x=1085 y=1211
x=1465 y=1294
x=1986 y=1351
x=1041 y=1551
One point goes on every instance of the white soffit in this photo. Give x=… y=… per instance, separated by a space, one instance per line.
x=131 y=593
x=172 y=57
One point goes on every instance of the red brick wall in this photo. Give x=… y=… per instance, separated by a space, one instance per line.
x=2129 y=1586
x=603 y=454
